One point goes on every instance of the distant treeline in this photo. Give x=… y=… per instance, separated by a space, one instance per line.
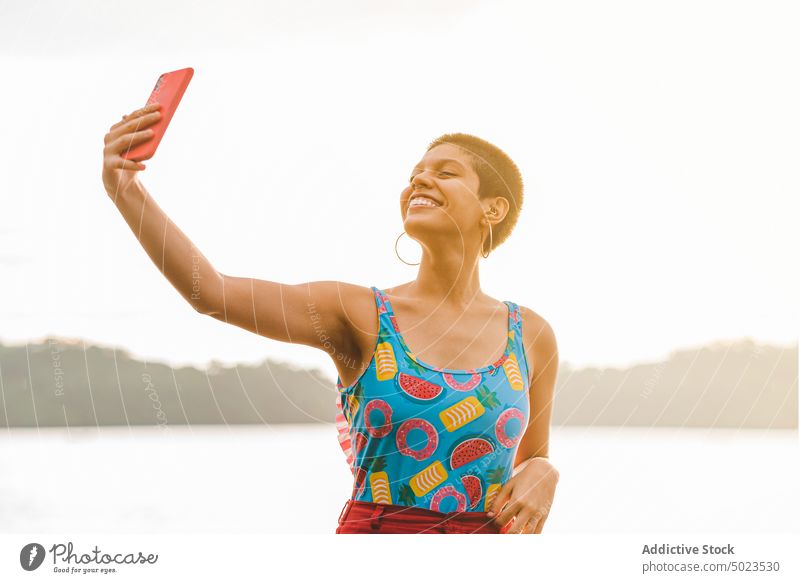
x=57 y=382
x=731 y=384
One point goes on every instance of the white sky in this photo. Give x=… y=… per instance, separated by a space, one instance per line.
x=658 y=143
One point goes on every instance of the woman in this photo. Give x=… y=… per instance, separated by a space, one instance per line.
x=437 y=440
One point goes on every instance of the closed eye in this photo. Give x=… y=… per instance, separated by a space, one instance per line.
x=410 y=180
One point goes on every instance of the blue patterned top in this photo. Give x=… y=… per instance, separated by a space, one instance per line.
x=436 y=438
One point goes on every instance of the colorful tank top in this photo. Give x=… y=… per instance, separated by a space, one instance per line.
x=436 y=438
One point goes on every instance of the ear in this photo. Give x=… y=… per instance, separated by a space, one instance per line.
x=500 y=206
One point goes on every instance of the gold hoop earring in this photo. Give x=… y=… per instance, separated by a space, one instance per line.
x=396 y=253
x=491 y=242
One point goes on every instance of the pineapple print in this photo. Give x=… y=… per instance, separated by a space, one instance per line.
x=379 y=482
x=354 y=400
x=511 y=368
x=385 y=361
x=495 y=479
x=429 y=478
x=469 y=409
x=407 y=496
x=410 y=362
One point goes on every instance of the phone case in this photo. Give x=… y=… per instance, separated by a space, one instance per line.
x=168 y=91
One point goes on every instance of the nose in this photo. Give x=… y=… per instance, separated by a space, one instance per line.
x=420 y=179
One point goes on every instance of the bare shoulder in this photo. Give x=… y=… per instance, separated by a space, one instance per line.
x=358 y=306
x=360 y=322
x=535 y=328
x=539 y=339
x=354 y=304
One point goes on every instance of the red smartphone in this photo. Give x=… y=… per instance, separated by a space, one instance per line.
x=168 y=91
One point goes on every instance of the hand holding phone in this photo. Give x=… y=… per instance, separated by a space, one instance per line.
x=168 y=91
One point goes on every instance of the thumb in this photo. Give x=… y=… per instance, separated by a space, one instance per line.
x=500 y=500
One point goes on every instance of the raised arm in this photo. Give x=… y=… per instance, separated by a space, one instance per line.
x=313 y=313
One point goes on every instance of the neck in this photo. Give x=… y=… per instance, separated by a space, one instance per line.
x=448 y=277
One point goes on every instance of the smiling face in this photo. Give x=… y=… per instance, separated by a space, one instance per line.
x=441 y=202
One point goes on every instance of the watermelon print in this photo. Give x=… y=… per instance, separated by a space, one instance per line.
x=437 y=438
x=474 y=488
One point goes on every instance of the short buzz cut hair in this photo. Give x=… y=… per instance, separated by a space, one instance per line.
x=498 y=174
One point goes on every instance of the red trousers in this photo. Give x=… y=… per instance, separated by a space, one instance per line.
x=359 y=517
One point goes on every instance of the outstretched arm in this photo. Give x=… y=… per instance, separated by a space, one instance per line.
x=310 y=313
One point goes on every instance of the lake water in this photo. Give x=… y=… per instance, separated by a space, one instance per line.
x=293 y=478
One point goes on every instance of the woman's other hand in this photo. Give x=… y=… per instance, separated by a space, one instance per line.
x=527 y=498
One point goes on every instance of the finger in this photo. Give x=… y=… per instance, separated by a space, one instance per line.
x=126 y=119
x=526 y=527
x=123 y=133
x=509 y=512
x=533 y=524
x=505 y=528
x=133 y=125
x=126 y=142
x=537 y=521
x=499 y=501
x=138 y=113
x=520 y=523
x=118 y=163
x=539 y=526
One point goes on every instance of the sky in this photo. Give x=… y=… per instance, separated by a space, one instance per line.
x=657 y=142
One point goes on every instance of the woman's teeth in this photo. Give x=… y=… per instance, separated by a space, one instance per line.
x=420 y=201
